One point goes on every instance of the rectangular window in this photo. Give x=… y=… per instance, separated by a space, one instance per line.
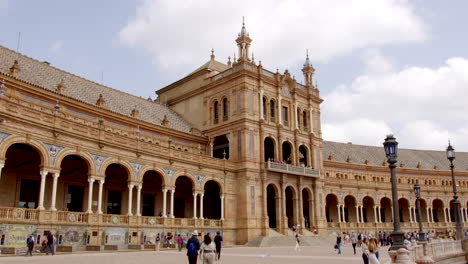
x=285 y=114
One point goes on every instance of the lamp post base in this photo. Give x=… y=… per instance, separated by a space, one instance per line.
x=421 y=237
x=398 y=239
x=459 y=232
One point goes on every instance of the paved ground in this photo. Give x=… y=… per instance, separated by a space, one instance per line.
x=243 y=255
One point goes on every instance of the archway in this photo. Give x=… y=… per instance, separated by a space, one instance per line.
x=183 y=198
x=331 y=208
x=290 y=206
x=271 y=206
x=368 y=209
x=21 y=178
x=116 y=186
x=386 y=210
x=269 y=149
x=72 y=184
x=438 y=210
x=152 y=200
x=221 y=147
x=350 y=209
x=287 y=152
x=212 y=200
x=303 y=156
x=306 y=208
x=403 y=205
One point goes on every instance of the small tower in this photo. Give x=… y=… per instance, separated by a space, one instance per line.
x=243 y=43
x=308 y=71
x=135 y=112
x=61 y=87
x=100 y=101
x=15 y=69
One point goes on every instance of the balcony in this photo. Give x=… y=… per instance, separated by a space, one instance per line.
x=286 y=168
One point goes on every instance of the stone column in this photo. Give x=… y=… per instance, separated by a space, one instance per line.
x=222 y=207
x=380 y=214
x=201 y=205
x=391 y=210
x=211 y=149
x=138 y=209
x=410 y=210
x=1 y=167
x=311 y=114
x=90 y=196
x=101 y=184
x=195 y=205
x=54 y=191
x=280 y=121
x=375 y=213
x=344 y=216
x=357 y=214
x=432 y=215
x=428 y=215
x=261 y=104
x=296 y=120
x=445 y=215
x=362 y=215
x=130 y=194
x=339 y=213
x=164 y=202
x=41 y=190
x=172 y=202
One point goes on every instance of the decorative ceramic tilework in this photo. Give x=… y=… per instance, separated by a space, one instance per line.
x=3 y=136
x=136 y=168
x=98 y=160
x=169 y=173
x=53 y=151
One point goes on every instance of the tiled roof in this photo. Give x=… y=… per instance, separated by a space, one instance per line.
x=212 y=65
x=48 y=77
x=410 y=158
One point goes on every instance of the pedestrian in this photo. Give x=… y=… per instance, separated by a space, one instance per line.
x=365 y=251
x=338 y=243
x=346 y=238
x=168 y=240
x=50 y=244
x=180 y=241
x=359 y=239
x=30 y=244
x=298 y=243
x=354 y=242
x=193 y=246
x=373 y=250
x=158 y=241
x=208 y=250
x=218 y=242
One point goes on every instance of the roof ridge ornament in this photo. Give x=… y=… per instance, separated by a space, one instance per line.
x=212 y=54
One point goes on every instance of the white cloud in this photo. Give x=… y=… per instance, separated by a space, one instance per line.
x=424 y=107
x=57 y=46
x=180 y=34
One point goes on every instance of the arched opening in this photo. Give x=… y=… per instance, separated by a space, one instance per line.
x=72 y=184
x=212 y=200
x=183 y=198
x=264 y=107
x=152 y=199
x=304 y=120
x=438 y=210
x=368 y=209
x=303 y=156
x=21 y=178
x=216 y=112
x=386 y=210
x=306 y=208
x=221 y=147
x=290 y=197
x=403 y=205
x=287 y=152
x=225 y=109
x=116 y=186
x=350 y=209
x=272 y=111
x=271 y=206
x=331 y=208
x=423 y=204
x=269 y=149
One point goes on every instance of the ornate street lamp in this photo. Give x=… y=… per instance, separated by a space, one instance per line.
x=391 y=147
x=417 y=193
x=456 y=202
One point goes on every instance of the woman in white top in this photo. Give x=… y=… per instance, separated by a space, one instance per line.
x=207 y=250
x=365 y=250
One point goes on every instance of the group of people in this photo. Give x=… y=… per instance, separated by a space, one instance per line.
x=208 y=250
x=369 y=245
x=48 y=245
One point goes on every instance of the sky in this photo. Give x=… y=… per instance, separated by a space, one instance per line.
x=382 y=66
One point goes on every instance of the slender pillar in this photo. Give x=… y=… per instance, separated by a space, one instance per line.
x=261 y=104
x=362 y=215
x=164 y=202
x=357 y=214
x=339 y=213
x=1 y=167
x=311 y=114
x=211 y=149
x=90 y=196
x=432 y=215
x=449 y=215
x=428 y=215
x=380 y=213
x=392 y=214
x=375 y=213
x=201 y=205
x=296 y=120
x=280 y=121
x=222 y=207
x=445 y=215
x=41 y=190
x=101 y=184
x=172 y=202
x=130 y=194
x=138 y=209
x=54 y=191
x=195 y=205
x=343 y=212
x=410 y=210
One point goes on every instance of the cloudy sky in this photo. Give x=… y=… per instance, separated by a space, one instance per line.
x=383 y=66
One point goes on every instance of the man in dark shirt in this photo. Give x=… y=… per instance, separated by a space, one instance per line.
x=193 y=246
x=50 y=244
x=338 y=243
x=218 y=242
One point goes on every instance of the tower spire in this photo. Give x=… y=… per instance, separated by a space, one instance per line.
x=308 y=70
x=243 y=43
x=212 y=54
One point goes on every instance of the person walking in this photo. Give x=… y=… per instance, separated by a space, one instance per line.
x=180 y=241
x=207 y=250
x=218 y=243
x=158 y=242
x=354 y=242
x=30 y=244
x=298 y=243
x=365 y=250
x=193 y=246
x=50 y=244
x=338 y=243
x=373 y=251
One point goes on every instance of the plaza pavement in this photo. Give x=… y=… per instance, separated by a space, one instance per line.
x=236 y=255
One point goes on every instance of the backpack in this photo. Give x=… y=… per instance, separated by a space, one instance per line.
x=29 y=240
x=192 y=249
x=359 y=237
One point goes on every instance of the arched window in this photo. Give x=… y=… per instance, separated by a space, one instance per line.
x=216 y=112
x=225 y=109
x=304 y=120
x=264 y=107
x=272 y=111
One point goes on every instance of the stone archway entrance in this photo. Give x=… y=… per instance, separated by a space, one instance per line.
x=152 y=200
x=331 y=208
x=290 y=198
x=72 y=184
x=271 y=206
x=212 y=200
x=115 y=187
x=183 y=198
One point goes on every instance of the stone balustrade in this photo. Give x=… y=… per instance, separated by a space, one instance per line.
x=297 y=170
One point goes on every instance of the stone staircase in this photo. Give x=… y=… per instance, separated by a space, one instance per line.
x=276 y=239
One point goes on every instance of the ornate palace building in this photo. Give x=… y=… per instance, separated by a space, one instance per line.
x=231 y=147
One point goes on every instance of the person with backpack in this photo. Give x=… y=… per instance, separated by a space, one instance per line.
x=30 y=244
x=193 y=246
x=158 y=242
x=50 y=244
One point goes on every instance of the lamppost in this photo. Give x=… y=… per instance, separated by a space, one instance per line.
x=456 y=202
x=417 y=193
x=391 y=147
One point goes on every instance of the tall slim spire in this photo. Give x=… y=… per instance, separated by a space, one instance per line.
x=243 y=43
x=308 y=70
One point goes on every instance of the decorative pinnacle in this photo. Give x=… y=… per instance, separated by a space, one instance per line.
x=212 y=54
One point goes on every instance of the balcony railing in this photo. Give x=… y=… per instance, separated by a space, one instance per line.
x=286 y=168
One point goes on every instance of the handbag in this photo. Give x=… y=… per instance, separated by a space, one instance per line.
x=336 y=246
